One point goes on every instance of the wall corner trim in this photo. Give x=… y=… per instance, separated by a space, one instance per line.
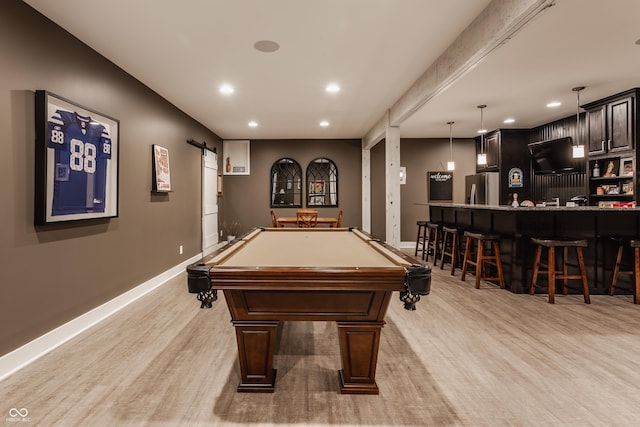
x=31 y=351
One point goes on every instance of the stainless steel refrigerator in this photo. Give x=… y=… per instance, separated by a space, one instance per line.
x=482 y=188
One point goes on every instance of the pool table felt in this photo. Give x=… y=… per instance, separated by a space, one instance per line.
x=308 y=248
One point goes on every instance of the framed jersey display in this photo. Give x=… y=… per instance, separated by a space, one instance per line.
x=76 y=170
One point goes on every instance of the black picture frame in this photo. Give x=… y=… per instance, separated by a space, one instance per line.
x=76 y=161
x=161 y=172
x=440 y=186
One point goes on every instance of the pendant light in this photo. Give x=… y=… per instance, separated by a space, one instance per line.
x=578 y=149
x=450 y=164
x=482 y=157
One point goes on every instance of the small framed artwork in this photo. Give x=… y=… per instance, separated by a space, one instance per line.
x=316 y=200
x=627 y=167
x=316 y=187
x=161 y=170
x=611 y=167
x=76 y=170
x=220 y=183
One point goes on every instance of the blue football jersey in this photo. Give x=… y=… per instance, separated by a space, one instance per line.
x=82 y=152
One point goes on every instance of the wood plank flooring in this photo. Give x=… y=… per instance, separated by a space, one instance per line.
x=465 y=357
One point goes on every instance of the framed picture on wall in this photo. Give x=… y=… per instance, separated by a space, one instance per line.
x=439 y=186
x=76 y=161
x=161 y=170
x=626 y=167
x=316 y=187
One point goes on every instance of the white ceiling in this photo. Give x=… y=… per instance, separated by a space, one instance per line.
x=374 y=49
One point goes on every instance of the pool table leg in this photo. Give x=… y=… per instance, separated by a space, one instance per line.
x=359 y=342
x=256 y=347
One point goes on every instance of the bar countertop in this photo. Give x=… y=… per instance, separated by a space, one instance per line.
x=532 y=208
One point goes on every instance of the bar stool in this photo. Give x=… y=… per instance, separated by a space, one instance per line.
x=552 y=273
x=634 y=272
x=433 y=242
x=450 y=247
x=421 y=239
x=483 y=259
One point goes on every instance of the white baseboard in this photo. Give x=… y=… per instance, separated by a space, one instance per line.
x=407 y=245
x=24 y=355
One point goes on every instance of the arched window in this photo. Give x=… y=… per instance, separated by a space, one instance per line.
x=285 y=186
x=322 y=183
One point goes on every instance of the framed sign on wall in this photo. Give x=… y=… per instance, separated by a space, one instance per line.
x=440 y=186
x=76 y=161
x=161 y=181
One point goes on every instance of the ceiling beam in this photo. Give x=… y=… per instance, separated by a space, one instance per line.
x=494 y=26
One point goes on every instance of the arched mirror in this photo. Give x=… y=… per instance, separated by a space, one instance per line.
x=322 y=183
x=286 y=181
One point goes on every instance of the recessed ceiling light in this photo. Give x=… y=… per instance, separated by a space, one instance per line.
x=509 y=120
x=554 y=104
x=226 y=89
x=266 y=46
x=332 y=88
x=324 y=123
x=253 y=124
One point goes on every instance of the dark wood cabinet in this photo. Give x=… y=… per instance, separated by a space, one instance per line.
x=490 y=145
x=620 y=124
x=610 y=123
x=612 y=135
x=597 y=129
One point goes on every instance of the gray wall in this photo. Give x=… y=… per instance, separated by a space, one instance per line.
x=419 y=156
x=246 y=197
x=53 y=274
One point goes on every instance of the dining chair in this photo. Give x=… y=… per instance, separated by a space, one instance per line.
x=274 y=221
x=339 y=222
x=307 y=218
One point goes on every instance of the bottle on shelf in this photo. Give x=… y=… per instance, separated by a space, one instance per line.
x=596 y=170
x=515 y=203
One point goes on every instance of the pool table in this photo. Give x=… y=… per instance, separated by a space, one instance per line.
x=272 y=275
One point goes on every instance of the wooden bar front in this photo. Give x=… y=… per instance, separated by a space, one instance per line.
x=516 y=226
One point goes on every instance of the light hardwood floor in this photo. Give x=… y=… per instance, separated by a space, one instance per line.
x=465 y=357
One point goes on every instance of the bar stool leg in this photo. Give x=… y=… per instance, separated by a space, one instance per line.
x=456 y=255
x=583 y=273
x=479 y=262
x=552 y=274
x=467 y=251
x=496 y=251
x=636 y=274
x=536 y=268
x=565 y=270
x=616 y=271
x=448 y=248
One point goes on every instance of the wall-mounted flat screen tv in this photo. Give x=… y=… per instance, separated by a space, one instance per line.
x=555 y=156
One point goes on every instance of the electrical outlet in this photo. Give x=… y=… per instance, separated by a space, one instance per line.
x=181 y=250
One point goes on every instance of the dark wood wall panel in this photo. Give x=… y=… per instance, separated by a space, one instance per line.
x=546 y=187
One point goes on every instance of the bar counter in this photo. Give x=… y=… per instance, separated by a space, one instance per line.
x=516 y=226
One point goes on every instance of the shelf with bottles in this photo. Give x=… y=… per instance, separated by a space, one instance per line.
x=612 y=167
x=611 y=179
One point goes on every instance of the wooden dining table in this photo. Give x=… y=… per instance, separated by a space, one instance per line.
x=292 y=220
